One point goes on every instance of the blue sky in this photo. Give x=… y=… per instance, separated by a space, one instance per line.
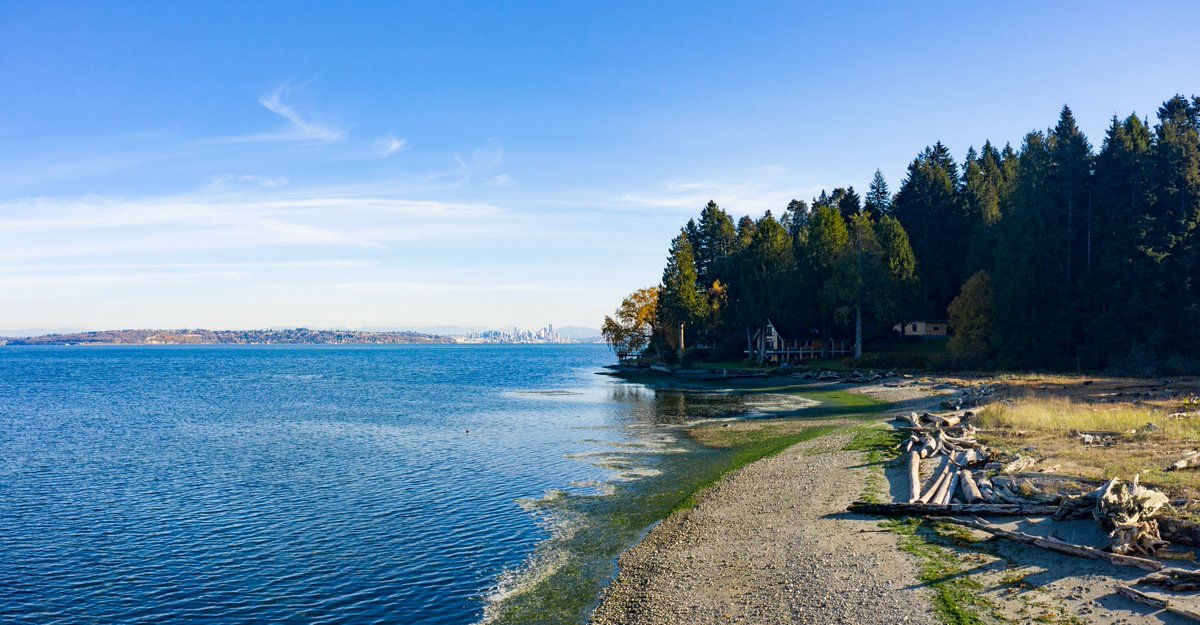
x=242 y=165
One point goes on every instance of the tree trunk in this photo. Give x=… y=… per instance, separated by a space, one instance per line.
x=858 y=331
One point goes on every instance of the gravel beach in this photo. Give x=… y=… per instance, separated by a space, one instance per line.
x=771 y=544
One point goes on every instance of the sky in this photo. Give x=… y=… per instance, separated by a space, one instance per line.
x=486 y=164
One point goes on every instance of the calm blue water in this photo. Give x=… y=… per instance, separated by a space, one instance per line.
x=293 y=484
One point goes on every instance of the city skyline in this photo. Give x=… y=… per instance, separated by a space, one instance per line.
x=468 y=164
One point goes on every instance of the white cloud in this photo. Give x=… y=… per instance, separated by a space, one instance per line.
x=445 y=287
x=45 y=228
x=503 y=180
x=250 y=179
x=113 y=279
x=756 y=190
x=301 y=129
x=389 y=145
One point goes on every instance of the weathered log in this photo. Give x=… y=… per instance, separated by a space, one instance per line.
x=928 y=446
x=941 y=473
x=1179 y=580
x=940 y=496
x=955 y=476
x=1179 y=530
x=970 y=490
x=924 y=509
x=1054 y=544
x=1020 y=464
x=1161 y=603
x=947 y=421
x=914 y=476
x=1189 y=460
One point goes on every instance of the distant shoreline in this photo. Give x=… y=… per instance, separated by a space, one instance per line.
x=293 y=336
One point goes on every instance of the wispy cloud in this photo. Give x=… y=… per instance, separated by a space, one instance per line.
x=445 y=287
x=300 y=129
x=389 y=145
x=112 y=279
x=483 y=160
x=753 y=191
x=219 y=220
x=249 y=179
x=503 y=180
x=238 y=265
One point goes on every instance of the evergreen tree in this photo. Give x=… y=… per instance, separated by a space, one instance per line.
x=869 y=273
x=744 y=233
x=1070 y=184
x=930 y=207
x=848 y=202
x=795 y=218
x=680 y=302
x=895 y=301
x=1126 y=283
x=1176 y=211
x=713 y=241
x=879 y=199
x=1031 y=306
x=983 y=195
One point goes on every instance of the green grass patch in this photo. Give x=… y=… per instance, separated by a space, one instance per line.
x=957 y=596
x=754 y=445
x=880 y=447
x=577 y=563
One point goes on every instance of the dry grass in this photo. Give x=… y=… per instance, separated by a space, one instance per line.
x=1050 y=424
x=1058 y=414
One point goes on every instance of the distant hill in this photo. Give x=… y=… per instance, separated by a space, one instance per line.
x=287 y=336
x=576 y=332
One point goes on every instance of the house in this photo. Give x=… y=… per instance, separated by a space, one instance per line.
x=779 y=343
x=922 y=329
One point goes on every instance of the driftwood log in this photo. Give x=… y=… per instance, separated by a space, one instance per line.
x=914 y=476
x=946 y=487
x=955 y=477
x=1162 y=603
x=1054 y=544
x=1190 y=460
x=1179 y=580
x=940 y=474
x=1179 y=530
x=970 y=490
x=925 y=509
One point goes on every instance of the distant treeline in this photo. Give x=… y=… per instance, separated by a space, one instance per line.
x=289 y=336
x=1053 y=255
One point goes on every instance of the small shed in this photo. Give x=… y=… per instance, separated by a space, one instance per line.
x=923 y=329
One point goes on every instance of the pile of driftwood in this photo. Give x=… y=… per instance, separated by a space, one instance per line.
x=967 y=471
x=971 y=396
x=973 y=479
x=1125 y=510
x=846 y=377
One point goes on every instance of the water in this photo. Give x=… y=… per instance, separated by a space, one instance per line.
x=324 y=484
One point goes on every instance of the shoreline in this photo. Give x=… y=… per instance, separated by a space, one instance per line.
x=563 y=578
x=772 y=542
x=768 y=544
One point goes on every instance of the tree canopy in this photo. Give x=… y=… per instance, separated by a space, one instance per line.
x=1053 y=255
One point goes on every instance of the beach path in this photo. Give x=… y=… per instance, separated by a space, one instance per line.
x=771 y=544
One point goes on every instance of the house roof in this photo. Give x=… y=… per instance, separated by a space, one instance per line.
x=794 y=330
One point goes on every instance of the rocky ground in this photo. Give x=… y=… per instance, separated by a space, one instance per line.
x=770 y=544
